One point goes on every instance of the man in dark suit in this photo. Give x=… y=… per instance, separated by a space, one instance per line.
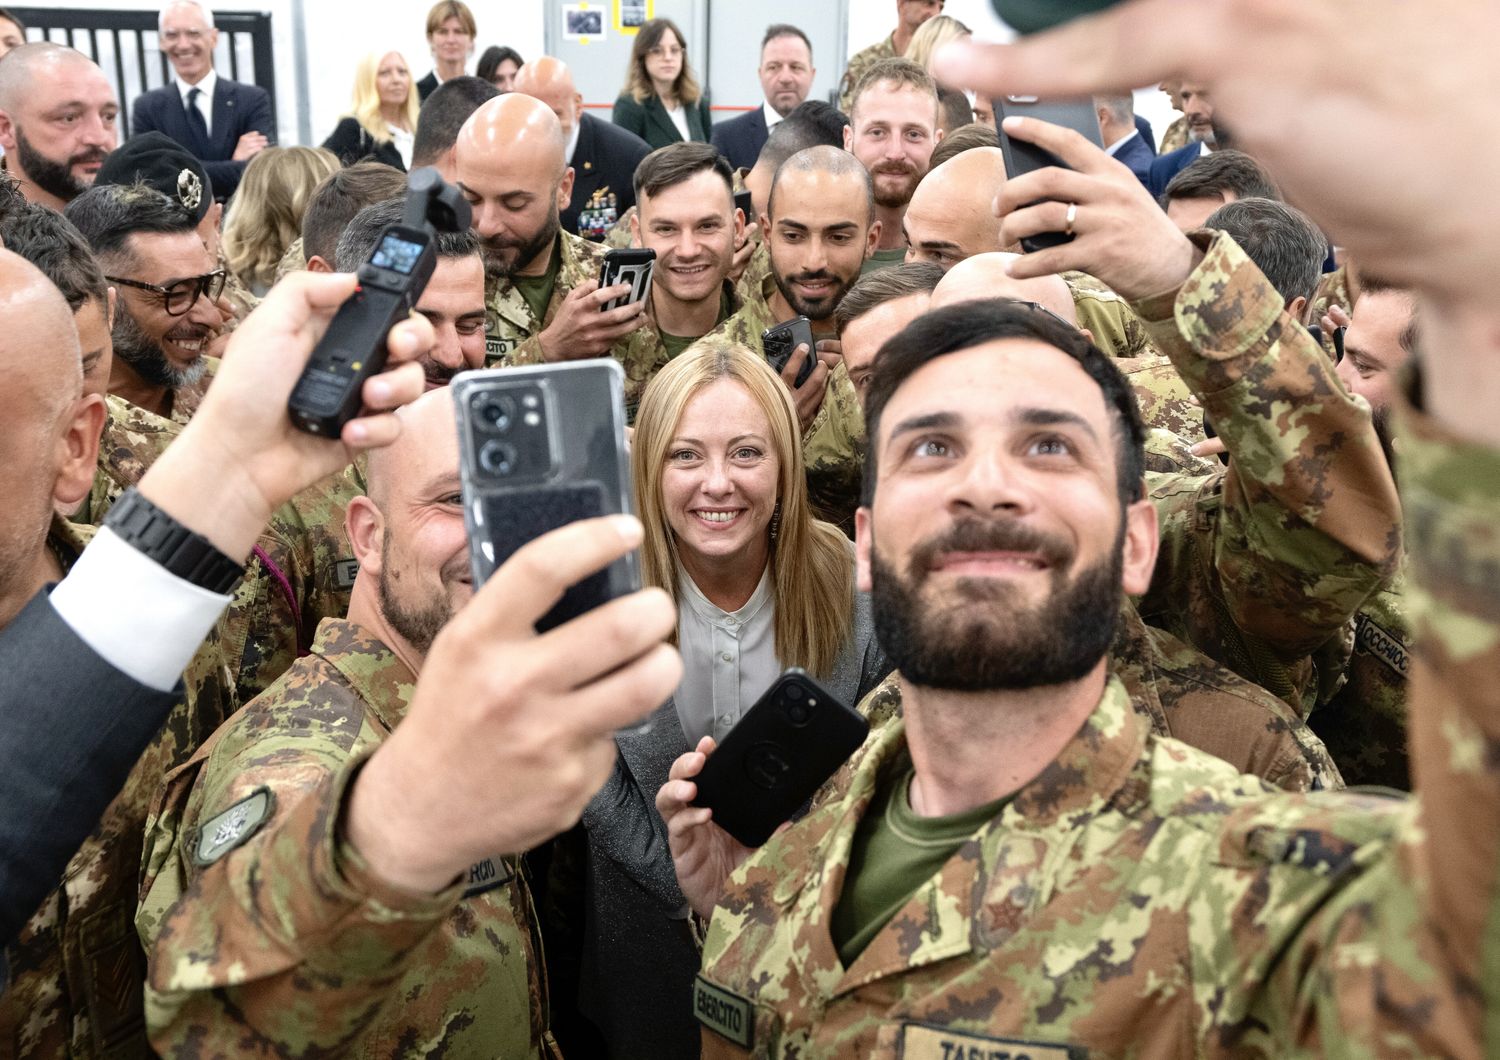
x=223 y=123
x=602 y=154
x=786 y=77
x=1122 y=138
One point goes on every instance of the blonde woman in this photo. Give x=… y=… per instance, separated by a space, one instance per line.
x=265 y=214
x=662 y=102
x=760 y=585
x=383 y=118
x=932 y=35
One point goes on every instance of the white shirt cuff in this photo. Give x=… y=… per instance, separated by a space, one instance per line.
x=143 y=620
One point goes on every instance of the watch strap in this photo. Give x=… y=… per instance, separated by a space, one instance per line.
x=180 y=551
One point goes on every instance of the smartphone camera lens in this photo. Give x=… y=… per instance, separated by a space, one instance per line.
x=497 y=458
x=495 y=413
x=798 y=706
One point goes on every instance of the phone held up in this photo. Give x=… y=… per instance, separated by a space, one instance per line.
x=1022 y=157
x=781 y=342
x=633 y=266
x=541 y=447
x=782 y=751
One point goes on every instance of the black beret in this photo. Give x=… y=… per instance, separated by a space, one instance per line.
x=161 y=163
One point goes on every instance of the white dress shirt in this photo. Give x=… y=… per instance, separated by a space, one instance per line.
x=772 y=118
x=729 y=658
x=1114 y=148
x=403 y=141
x=679 y=118
x=205 y=102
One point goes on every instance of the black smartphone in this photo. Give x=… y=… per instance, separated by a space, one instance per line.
x=542 y=446
x=633 y=266
x=1029 y=16
x=743 y=202
x=1022 y=157
x=781 y=341
x=782 y=751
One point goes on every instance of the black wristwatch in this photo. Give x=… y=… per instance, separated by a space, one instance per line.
x=162 y=539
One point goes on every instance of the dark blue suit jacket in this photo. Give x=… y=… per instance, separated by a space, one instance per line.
x=1137 y=155
x=238 y=108
x=740 y=139
x=603 y=176
x=1143 y=127
x=1169 y=165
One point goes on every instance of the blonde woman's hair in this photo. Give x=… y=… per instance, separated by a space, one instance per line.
x=638 y=81
x=812 y=564
x=932 y=35
x=365 y=104
x=266 y=212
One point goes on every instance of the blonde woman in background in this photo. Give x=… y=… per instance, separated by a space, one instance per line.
x=265 y=214
x=383 y=117
x=932 y=35
x=760 y=585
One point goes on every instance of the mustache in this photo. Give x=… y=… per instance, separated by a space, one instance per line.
x=84 y=158
x=899 y=168
x=436 y=373
x=990 y=535
x=189 y=334
x=813 y=277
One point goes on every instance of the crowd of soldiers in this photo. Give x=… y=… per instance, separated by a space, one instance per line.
x=1181 y=735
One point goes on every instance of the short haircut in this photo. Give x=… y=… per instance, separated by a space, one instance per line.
x=110 y=215
x=208 y=16
x=342 y=195
x=832 y=160
x=360 y=236
x=444 y=114
x=671 y=165
x=901 y=73
x=9 y=17
x=10 y=194
x=1121 y=108
x=969 y=324
x=885 y=285
x=442 y=12
x=964 y=138
x=784 y=29
x=1221 y=172
x=812 y=123
x=1281 y=240
x=493 y=56
x=954 y=111
x=50 y=242
x=1369 y=283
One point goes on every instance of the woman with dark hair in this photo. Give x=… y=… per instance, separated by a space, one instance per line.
x=662 y=102
x=498 y=65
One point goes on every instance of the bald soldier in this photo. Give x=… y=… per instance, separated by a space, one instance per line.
x=57 y=121
x=316 y=882
x=542 y=283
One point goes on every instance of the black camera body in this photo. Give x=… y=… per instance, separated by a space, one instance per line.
x=392 y=280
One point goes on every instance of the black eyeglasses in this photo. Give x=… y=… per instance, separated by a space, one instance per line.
x=178 y=296
x=1038 y=307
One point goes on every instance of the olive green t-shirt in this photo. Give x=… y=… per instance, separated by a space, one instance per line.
x=536 y=291
x=882 y=259
x=676 y=344
x=894 y=852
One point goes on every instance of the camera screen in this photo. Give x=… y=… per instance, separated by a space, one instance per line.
x=397 y=254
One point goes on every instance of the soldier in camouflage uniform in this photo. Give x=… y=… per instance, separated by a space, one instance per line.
x=1115 y=327
x=459 y=971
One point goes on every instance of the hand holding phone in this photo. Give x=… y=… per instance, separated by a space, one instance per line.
x=633 y=266
x=1022 y=157
x=782 y=341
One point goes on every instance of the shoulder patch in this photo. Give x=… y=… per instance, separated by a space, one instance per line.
x=1382 y=644
x=344 y=573
x=222 y=833
x=724 y=1012
x=920 y=1041
x=488 y=874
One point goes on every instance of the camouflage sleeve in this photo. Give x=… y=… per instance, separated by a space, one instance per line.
x=1268 y=560
x=833 y=453
x=287 y=943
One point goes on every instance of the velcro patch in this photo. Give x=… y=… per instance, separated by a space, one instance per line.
x=920 y=1041
x=486 y=875
x=1384 y=646
x=222 y=833
x=724 y=1012
x=344 y=573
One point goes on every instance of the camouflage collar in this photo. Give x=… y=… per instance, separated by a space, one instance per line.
x=377 y=676
x=68 y=540
x=573 y=268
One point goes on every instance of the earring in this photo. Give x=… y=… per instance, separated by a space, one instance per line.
x=776 y=521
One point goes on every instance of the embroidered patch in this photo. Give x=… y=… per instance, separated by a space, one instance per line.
x=486 y=875
x=1384 y=646
x=220 y=834
x=723 y=1012
x=344 y=573
x=922 y=1042
x=494 y=347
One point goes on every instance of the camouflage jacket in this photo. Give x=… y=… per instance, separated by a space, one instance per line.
x=1138 y=899
x=1175 y=138
x=294 y=260
x=270 y=937
x=1364 y=724
x=510 y=331
x=757 y=274
x=1333 y=290
x=1187 y=696
x=1262 y=563
x=1165 y=401
x=833 y=451
x=185 y=400
x=860 y=64
x=1115 y=327
x=132 y=440
x=76 y=969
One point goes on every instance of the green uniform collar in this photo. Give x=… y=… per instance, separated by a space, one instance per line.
x=380 y=679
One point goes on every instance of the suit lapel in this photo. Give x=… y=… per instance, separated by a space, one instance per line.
x=585 y=163
x=656 y=111
x=222 y=133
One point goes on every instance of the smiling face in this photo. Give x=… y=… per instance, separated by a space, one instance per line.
x=393 y=80
x=786 y=73
x=693 y=227
x=189 y=39
x=453 y=302
x=996 y=545
x=820 y=235
x=162 y=349
x=892 y=131
x=721 y=475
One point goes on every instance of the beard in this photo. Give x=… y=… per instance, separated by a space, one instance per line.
x=145 y=356
x=999 y=644
x=1381 y=420
x=55 y=178
x=901 y=196
x=503 y=257
x=418 y=624
x=822 y=308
